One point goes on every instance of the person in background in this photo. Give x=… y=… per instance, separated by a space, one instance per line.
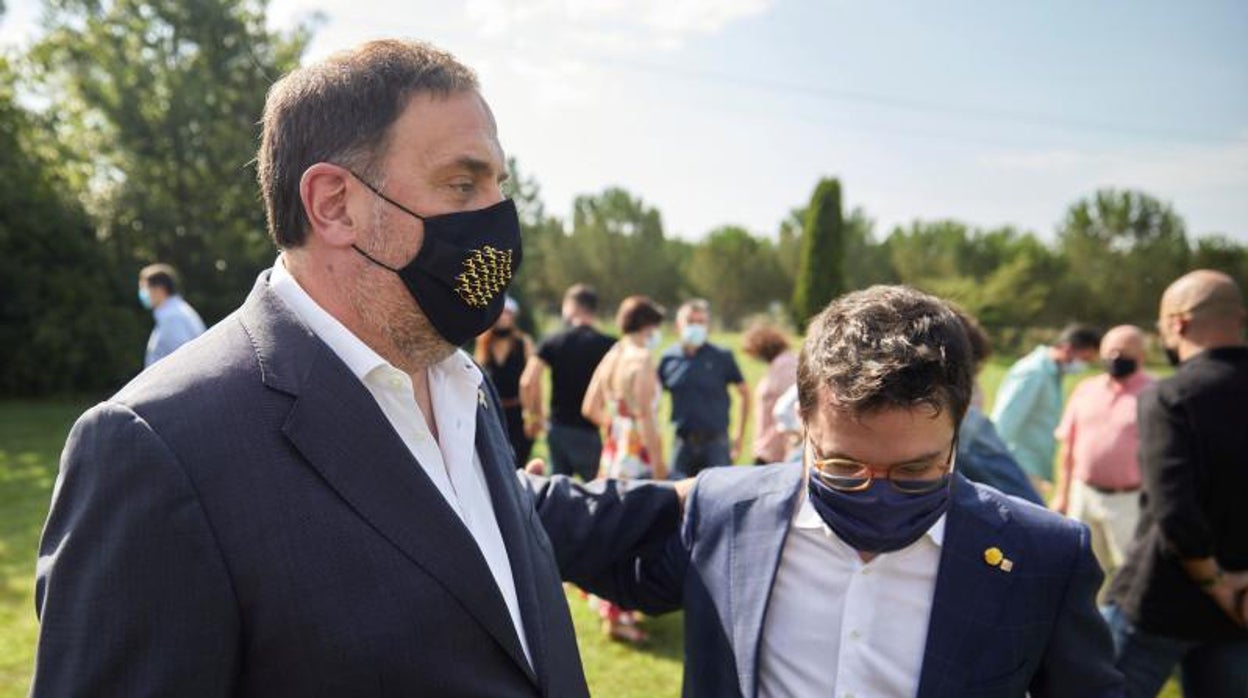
x=572 y=355
x=503 y=351
x=765 y=343
x=1099 y=479
x=982 y=456
x=176 y=321
x=1180 y=597
x=788 y=422
x=697 y=374
x=623 y=397
x=1028 y=404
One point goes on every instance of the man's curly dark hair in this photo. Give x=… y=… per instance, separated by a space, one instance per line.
x=886 y=347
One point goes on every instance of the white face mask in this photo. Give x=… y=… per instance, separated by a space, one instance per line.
x=652 y=341
x=693 y=335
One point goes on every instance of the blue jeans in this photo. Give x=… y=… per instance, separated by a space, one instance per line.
x=691 y=455
x=1209 y=670
x=574 y=450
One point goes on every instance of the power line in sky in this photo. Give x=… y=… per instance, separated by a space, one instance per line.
x=891 y=102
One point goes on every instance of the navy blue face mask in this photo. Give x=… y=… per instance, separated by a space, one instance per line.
x=459 y=278
x=880 y=518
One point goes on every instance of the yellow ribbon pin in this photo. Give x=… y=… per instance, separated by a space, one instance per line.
x=481 y=400
x=993 y=556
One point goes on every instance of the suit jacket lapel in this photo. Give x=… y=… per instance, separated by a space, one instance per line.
x=759 y=528
x=968 y=590
x=341 y=431
x=499 y=465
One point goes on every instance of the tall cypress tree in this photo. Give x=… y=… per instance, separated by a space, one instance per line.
x=821 y=267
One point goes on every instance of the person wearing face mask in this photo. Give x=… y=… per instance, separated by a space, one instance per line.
x=317 y=496
x=572 y=354
x=873 y=567
x=1028 y=403
x=623 y=398
x=1099 y=478
x=176 y=321
x=1181 y=598
x=698 y=374
x=502 y=352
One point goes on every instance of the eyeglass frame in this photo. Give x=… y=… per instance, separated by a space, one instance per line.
x=870 y=475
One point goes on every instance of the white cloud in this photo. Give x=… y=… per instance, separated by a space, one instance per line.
x=656 y=23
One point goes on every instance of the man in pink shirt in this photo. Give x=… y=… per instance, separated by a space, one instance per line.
x=1100 y=473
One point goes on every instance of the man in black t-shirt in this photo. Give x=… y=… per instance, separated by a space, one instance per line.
x=572 y=355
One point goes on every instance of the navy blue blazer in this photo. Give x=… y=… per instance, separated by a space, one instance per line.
x=242 y=520
x=992 y=633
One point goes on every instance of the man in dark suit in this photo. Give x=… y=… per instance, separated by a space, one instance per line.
x=1180 y=597
x=874 y=568
x=317 y=497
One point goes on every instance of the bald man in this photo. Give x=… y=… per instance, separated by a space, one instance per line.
x=1099 y=477
x=1180 y=596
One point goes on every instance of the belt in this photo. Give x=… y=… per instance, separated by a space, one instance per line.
x=1113 y=490
x=699 y=437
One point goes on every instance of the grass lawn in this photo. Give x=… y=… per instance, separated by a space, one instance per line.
x=31 y=437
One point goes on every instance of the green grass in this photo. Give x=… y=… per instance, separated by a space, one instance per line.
x=31 y=437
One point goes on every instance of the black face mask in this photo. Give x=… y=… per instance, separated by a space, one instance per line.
x=501 y=332
x=1120 y=366
x=459 y=277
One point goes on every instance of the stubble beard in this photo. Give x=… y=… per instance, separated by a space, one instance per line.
x=382 y=301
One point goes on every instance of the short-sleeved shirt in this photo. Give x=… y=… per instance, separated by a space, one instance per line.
x=572 y=355
x=1027 y=409
x=699 y=387
x=1101 y=430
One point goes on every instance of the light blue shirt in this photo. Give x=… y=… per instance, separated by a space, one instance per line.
x=1027 y=410
x=176 y=324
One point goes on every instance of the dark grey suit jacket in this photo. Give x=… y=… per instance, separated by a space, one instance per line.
x=242 y=520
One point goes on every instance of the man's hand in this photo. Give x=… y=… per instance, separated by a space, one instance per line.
x=533 y=424
x=682 y=489
x=537 y=466
x=734 y=452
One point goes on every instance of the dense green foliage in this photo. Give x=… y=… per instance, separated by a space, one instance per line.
x=134 y=140
x=821 y=266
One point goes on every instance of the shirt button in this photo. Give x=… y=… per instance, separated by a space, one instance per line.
x=849 y=694
x=854 y=634
x=866 y=570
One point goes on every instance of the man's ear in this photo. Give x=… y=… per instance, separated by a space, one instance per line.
x=326 y=193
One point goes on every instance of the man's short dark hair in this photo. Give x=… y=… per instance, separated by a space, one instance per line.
x=637 y=313
x=584 y=296
x=1080 y=337
x=886 y=347
x=161 y=276
x=340 y=110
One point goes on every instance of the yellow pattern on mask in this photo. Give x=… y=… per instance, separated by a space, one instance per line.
x=487 y=271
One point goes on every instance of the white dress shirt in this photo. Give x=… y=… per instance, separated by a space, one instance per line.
x=451 y=460
x=836 y=626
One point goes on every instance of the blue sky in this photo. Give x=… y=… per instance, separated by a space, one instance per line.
x=728 y=111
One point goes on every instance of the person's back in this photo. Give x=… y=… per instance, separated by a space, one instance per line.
x=572 y=355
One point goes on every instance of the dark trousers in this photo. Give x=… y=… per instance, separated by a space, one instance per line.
x=694 y=452
x=574 y=450
x=1208 y=670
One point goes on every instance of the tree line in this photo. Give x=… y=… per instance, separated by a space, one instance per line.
x=128 y=132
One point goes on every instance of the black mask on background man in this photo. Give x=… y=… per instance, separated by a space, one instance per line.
x=1121 y=366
